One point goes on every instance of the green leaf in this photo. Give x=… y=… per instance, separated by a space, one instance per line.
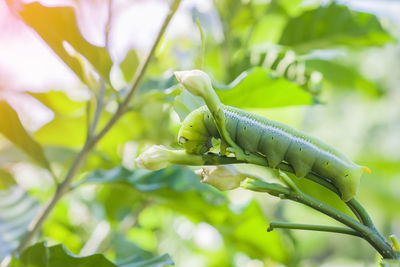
x=333 y=25
x=178 y=189
x=129 y=127
x=185 y=103
x=6 y=179
x=268 y=29
x=175 y=178
x=56 y=25
x=58 y=102
x=57 y=256
x=124 y=246
x=40 y=255
x=342 y=76
x=172 y=186
x=129 y=65
x=261 y=89
x=159 y=261
x=12 y=129
x=250 y=236
x=17 y=209
x=64 y=131
x=390 y=263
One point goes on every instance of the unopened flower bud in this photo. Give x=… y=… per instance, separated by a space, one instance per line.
x=154 y=158
x=196 y=82
x=223 y=177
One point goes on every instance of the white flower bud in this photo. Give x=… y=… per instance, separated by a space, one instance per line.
x=223 y=177
x=154 y=158
x=196 y=82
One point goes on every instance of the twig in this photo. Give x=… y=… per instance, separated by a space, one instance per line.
x=285 y=193
x=368 y=233
x=38 y=221
x=99 y=109
x=309 y=227
x=138 y=77
x=357 y=209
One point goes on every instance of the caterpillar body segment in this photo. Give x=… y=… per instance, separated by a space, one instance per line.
x=276 y=142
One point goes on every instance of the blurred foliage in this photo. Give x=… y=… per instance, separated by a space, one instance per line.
x=42 y=255
x=333 y=25
x=17 y=209
x=12 y=129
x=62 y=20
x=280 y=58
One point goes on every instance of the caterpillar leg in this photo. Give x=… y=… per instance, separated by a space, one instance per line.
x=239 y=153
x=223 y=148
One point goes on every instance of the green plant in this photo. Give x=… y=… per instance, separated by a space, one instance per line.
x=67 y=149
x=195 y=132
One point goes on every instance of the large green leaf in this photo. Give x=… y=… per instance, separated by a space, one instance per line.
x=185 y=103
x=129 y=65
x=12 y=129
x=333 y=25
x=180 y=190
x=175 y=178
x=56 y=25
x=58 y=102
x=40 y=255
x=342 y=76
x=258 y=88
x=268 y=29
x=250 y=235
x=135 y=261
x=17 y=209
x=64 y=131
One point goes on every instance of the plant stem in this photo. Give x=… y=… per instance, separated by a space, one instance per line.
x=322 y=228
x=99 y=109
x=357 y=209
x=139 y=75
x=353 y=204
x=91 y=141
x=367 y=233
x=36 y=224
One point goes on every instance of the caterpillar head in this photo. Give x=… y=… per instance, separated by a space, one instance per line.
x=193 y=135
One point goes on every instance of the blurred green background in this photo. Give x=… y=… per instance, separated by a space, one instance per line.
x=329 y=68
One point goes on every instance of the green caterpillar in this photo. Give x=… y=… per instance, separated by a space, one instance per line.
x=275 y=141
x=286 y=64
